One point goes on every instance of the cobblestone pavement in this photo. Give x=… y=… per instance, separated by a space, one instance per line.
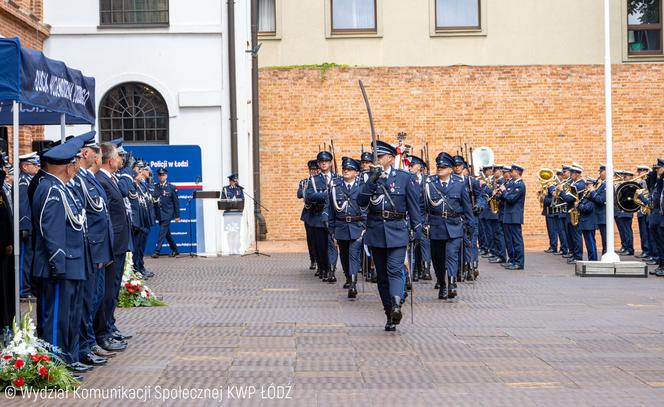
x=533 y=338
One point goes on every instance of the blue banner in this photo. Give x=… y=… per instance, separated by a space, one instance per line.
x=184 y=171
x=44 y=86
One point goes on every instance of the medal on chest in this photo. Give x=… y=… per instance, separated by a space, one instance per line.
x=392 y=187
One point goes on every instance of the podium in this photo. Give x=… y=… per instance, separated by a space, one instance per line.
x=205 y=209
x=231 y=226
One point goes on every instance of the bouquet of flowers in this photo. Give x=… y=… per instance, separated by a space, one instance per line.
x=30 y=363
x=133 y=291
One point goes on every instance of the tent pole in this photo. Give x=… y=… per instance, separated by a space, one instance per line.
x=63 y=122
x=17 y=243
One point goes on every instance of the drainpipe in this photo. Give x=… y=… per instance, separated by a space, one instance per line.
x=232 y=84
x=255 y=124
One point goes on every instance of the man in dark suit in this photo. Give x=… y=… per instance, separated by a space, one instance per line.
x=107 y=335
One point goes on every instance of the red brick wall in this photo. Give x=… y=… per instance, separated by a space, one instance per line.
x=23 y=19
x=537 y=116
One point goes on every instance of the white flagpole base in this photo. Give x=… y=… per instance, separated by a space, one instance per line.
x=610 y=258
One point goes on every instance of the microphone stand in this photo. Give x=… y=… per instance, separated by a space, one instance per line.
x=256 y=252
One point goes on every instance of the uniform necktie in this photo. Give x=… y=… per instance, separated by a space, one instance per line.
x=444 y=184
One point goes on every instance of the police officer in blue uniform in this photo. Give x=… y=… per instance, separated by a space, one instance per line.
x=597 y=194
x=642 y=218
x=7 y=280
x=140 y=218
x=551 y=218
x=624 y=222
x=656 y=217
x=392 y=200
x=312 y=167
x=468 y=268
x=588 y=219
x=514 y=196
x=60 y=268
x=347 y=221
x=233 y=190
x=100 y=245
x=447 y=205
x=572 y=199
x=368 y=268
x=485 y=237
x=316 y=196
x=494 y=224
x=29 y=166
x=168 y=209
x=422 y=247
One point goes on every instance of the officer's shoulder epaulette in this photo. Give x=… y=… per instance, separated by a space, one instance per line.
x=457 y=177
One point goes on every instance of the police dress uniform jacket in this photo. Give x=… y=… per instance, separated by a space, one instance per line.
x=489 y=191
x=316 y=196
x=140 y=216
x=347 y=220
x=59 y=223
x=598 y=196
x=587 y=216
x=232 y=192
x=549 y=202
x=25 y=217
x=100 y=229
x=393 y=201
x=168 y=207
x=515 y=198
x=448 y=205
x=304 y=215
x=116 y=211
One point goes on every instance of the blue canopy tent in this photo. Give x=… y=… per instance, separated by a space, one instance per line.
x=36 y=90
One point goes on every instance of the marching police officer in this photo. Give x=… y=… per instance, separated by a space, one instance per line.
x=316 y=195
x=514 y=196
x=233 y=190
x=447 y=203
x=168 y=209
x=347 y=221
x=392 y=200
x=468 y=268
x=366 y=159
x=656 y=217
x=312 y=167
x=29 y=166
x=60 y=254
x=422 y=267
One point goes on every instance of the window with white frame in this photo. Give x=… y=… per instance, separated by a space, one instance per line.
x=353 y=16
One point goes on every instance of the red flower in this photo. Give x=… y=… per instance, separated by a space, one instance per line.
x=131 y=290
x=20 y=382
x=34 y=358
x=19 y=364
x=44 y=358
x=43 y=371
x=147 y=293
x=7 y=357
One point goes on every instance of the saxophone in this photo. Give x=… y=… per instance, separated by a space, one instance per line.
x=493 y=202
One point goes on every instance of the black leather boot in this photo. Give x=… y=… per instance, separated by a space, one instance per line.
x=347 y=283
x=352 y=289
x=374 y=276
x=426 y=274
x=313 y=265
x=330 y=277
x=476 y=272
x=395 y=313
x=390 y=326
x=452 y=291
x=417 y=273
x=319 y=272
x=442 y=292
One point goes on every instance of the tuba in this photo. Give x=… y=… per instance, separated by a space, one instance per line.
x=546 y=177
x=627 y=200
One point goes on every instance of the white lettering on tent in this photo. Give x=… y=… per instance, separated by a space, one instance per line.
x=60 y=87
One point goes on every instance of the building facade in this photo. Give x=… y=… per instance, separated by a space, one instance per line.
x=23 y=19
x=162 y=75
x=522 y=77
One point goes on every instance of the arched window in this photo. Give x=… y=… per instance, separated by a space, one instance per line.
x=136 y=112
